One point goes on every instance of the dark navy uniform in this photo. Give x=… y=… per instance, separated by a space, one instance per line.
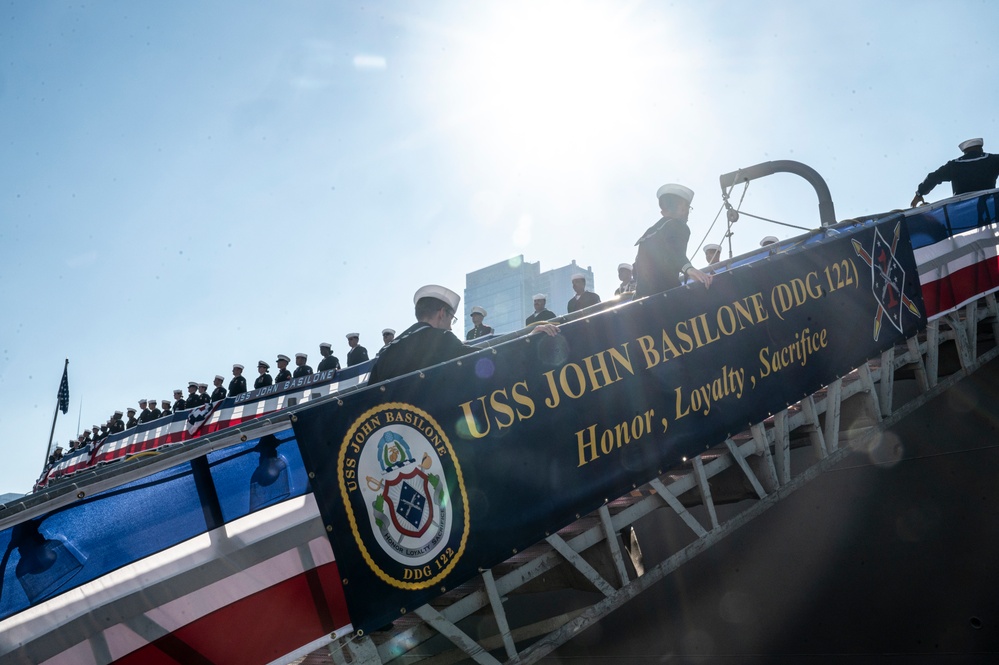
x=154 y=413
x=302 y=370
x=357 y=355
x=283 y=375
x=237 y=385
x=585 y=299
x=145 y=416
x=538 y=317
x=478 y=331
x=132 y=422
x=662 y=254
x=329 y=362
x=263 y=381
x=421 y=345
x=117 y=425
x=218 y=393
x=179 y=405
x=971 y=172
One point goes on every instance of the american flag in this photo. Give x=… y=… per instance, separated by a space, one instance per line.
x=64 y=390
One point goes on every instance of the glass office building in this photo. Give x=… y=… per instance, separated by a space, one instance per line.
x=506 y=291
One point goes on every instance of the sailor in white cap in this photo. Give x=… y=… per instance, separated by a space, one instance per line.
x=329 y=361
x=712 y=253
x=237 y=384
x=627 y=277
x=192 y=401
x=479 y=329
x=357 y=354
x=388 y=334
x=265 y=379
x=429 y=341
x=203 y=393
x=583 y=298
x=768 y=240
x=662 y=249
x=973 y=171
x=165 y=411
x=301 y=369
x=132 y=421
x=117 y=424
x=541 y=313
x=178 y=400
x=283 y=373
x=219 y=392
x=144 y=415
x=154 y=411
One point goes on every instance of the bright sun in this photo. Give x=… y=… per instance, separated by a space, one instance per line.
x=555 y=85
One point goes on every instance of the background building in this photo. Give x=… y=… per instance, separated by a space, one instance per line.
x=506 y=290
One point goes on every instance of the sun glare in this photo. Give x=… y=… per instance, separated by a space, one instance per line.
x=555 y=86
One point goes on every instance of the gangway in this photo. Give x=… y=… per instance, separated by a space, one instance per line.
x=749 y=472
x=689 y=437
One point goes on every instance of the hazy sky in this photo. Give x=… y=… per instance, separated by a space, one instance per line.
x=185 y=185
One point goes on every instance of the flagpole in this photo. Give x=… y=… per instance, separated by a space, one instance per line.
x=65 y=368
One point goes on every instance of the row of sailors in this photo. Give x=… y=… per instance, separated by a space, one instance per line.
x=197 y=393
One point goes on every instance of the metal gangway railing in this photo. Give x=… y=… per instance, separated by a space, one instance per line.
x=750 y=472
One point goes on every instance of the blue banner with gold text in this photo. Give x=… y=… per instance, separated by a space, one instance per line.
x=426 y=479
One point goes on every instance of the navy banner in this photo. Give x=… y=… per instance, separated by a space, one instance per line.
x=428 y=478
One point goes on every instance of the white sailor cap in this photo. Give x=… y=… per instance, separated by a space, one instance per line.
x=540 y=296
x=353 y=334
x=283 y=357
x=325 y=345
x=684 y=193
x=626 y=266
x=768 y=240
x=579 y=275
x=303 y=356
x=388 y=331
x=970 y=143
x=98 y=426
x=192 y=384
x=441 y=293
x=178 y=392
x=203 y=385
x=141 y=402
x=153 y=401
x=117 y=413
x=237 y=366
x=130 y=409
x=263 y=364
x=478 y=310
x=165 y=402
x=712 y=247
x=219 y=377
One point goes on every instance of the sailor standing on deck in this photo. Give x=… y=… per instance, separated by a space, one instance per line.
x=265 y=378
x=132 y=422
x=973 y=171
x=388 y=334
x=429 y=341
x=479 y=329
x=329 y=361
x=662 y=249
x=178 y=400
x=541 y=313
x=219 y=392
x=357 y=354
x=237 y=384
x=283 y=373
x=627 y=277
x=192 y=401
x=301 y=369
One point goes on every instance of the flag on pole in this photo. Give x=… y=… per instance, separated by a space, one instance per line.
x=64 y=390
